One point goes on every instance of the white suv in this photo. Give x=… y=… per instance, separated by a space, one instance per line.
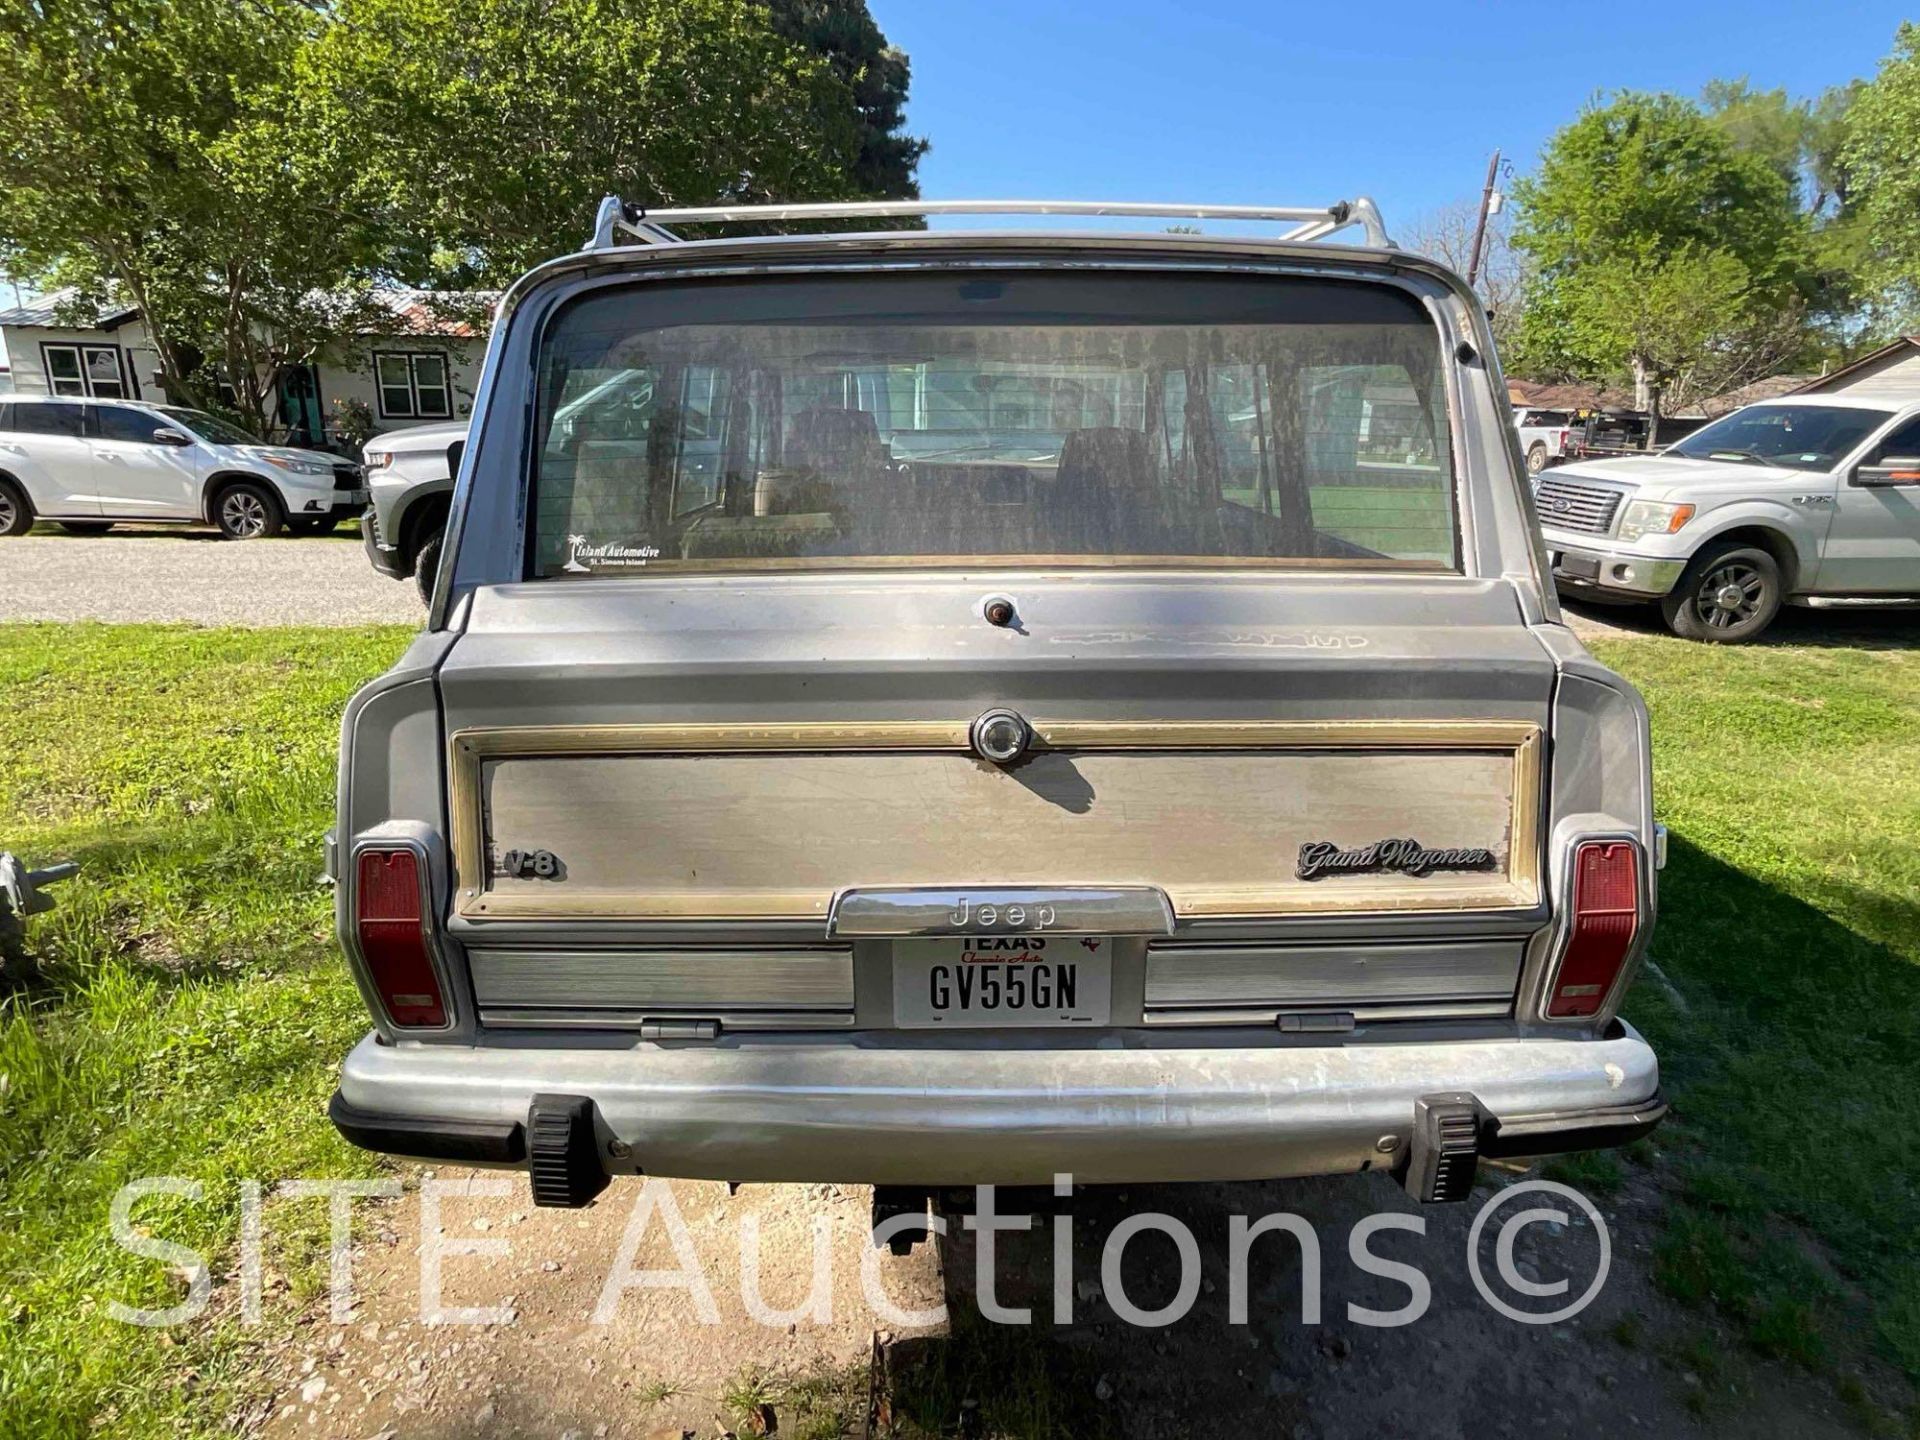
x=88 y=464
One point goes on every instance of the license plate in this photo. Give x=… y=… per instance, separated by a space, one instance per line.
x=351 y=497
x=978 y=982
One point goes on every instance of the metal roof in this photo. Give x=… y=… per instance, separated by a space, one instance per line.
x=1865 y=362
x=46 y=311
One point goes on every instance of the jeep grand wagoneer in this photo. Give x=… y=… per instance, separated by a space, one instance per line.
x=923 y=708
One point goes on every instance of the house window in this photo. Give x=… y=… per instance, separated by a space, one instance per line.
x=84 y=370
x=412 y=386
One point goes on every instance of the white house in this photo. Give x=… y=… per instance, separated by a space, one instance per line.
x=1890 y=373
x=425 y=370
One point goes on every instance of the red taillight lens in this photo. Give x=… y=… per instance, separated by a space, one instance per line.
x=1565 y=436
x=393 y=937
x=1606 y=912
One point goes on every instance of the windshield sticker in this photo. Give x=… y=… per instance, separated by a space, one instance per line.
x=586 y=559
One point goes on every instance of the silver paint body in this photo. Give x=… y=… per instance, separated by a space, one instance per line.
x=1198 y=1076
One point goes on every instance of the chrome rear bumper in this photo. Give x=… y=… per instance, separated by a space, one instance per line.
x=885 y=1110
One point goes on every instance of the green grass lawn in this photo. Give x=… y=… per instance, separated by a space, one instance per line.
x=191 y=1011
x=1790 y=1040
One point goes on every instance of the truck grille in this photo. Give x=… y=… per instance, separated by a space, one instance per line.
x=346 y=477
x=1569 y=505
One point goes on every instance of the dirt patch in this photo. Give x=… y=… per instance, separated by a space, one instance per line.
x=651 y=1365
x=543 y=1365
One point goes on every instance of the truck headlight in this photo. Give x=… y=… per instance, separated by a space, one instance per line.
x=1652 y=517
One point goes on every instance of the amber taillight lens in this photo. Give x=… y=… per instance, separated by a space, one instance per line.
x=1606 y=913
x=391 y=924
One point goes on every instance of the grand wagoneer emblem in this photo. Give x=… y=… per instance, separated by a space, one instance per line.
x=1408 y=857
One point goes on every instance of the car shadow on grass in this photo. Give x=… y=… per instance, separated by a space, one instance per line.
x=1796 y=625
x=1790 y=1043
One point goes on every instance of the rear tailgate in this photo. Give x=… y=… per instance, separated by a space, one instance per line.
x=710 y=761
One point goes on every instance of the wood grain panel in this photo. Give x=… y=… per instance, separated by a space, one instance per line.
x=650 y=822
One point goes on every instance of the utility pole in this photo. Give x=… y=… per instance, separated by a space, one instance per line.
x=1480 y=225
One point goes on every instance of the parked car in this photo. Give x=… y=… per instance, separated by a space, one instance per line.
x=1545 y=436
x=91 y=464
x=409 y=487
x=899 y=735
x=1809 y=501
x=410 y=472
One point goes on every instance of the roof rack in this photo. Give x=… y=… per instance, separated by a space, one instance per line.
x=651 y=227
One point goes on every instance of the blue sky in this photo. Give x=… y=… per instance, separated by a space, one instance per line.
x=1237 y=101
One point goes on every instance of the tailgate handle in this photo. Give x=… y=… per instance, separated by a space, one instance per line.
x=1001 y=910
x=679 y=1029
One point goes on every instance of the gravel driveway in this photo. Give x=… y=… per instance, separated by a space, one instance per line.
x=196 y=577
x=193 y=576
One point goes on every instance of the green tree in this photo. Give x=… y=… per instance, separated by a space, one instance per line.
x=1882 y=154
x=249 y=174
x=1641 y=207
x=503 y=122
x=876 y=74
x=146 y=155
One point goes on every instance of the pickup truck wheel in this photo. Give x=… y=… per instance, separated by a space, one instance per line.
x=426 y=566
x=86 y=527
x=16 y=511
x=247 y=512
x=1728 y=595
x=1536 y=458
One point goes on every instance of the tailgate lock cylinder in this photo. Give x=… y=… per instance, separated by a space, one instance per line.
x=563 y=1156
x=1446 y=1147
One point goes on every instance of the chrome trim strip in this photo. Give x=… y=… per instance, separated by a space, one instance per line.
x=1269 y=1015
x=560 y=1017
x=1327 y=976
x=1128 y=910
x=678 y=979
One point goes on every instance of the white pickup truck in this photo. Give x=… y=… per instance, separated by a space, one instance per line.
x=1545 y=436
x=1813 y=500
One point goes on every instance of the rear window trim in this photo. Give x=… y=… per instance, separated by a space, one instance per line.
x=550 y=296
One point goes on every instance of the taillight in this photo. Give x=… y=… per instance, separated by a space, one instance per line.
x=1606 y=913
x=1565 y=436
x=390 y=921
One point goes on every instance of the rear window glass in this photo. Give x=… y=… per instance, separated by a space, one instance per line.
x=1017 y=419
